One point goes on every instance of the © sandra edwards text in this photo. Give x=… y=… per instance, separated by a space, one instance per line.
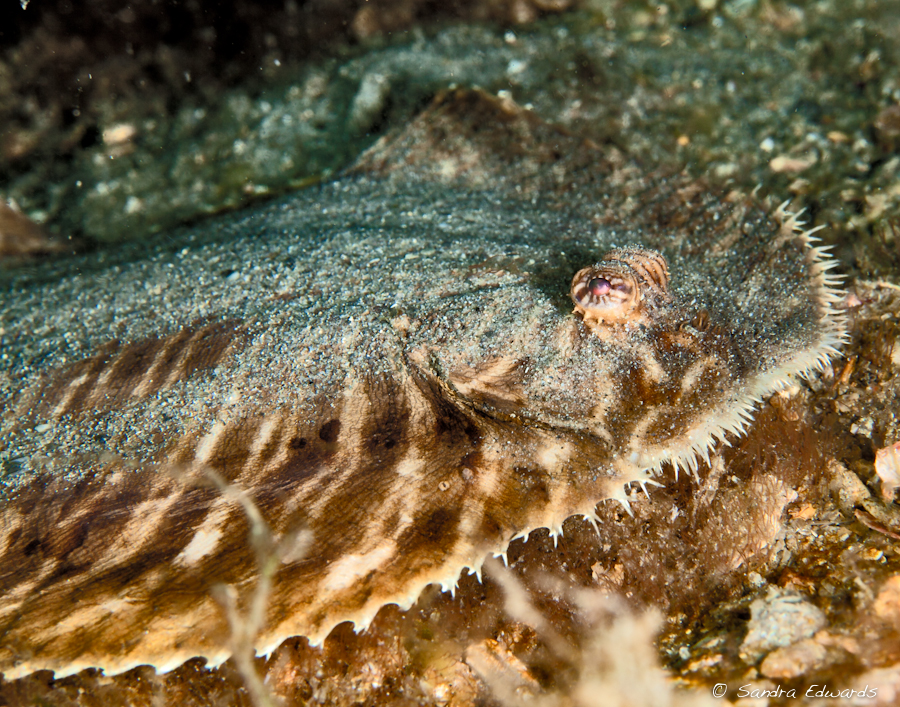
x=812 y=691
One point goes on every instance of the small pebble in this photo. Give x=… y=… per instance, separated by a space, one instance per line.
x=780 y=619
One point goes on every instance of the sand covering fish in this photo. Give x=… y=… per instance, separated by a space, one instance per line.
x=391 y=367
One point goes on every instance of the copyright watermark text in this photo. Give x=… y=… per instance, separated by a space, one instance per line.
x=823 y=691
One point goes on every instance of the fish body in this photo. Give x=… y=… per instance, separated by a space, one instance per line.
x=389 y=369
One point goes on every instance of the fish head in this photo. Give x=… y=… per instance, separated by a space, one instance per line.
x=635 y=366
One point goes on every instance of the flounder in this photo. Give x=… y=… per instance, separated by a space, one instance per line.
x=389 y=369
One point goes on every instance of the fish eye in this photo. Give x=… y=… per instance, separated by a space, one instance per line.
x=620 y=288
x=606 y=293
x=599 y=286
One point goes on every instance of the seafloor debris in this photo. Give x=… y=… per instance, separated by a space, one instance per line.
x=780 y=619
x=887 y=466
x=20 y=236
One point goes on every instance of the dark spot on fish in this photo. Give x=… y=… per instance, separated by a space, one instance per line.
x=490 y=528
x=440 y=524
x=329 y=431
x=472 y=460
x=474 y=434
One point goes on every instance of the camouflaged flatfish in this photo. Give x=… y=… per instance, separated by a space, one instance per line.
x=404 y=370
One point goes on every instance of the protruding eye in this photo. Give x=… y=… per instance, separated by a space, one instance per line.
x=621 y=287
x=599 y=286
x=605 y=293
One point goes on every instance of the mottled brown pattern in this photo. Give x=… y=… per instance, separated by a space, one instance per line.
x=117 y=373
x=410 y=420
